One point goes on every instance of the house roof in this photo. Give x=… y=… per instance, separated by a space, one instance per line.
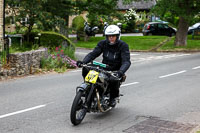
x=136 y=5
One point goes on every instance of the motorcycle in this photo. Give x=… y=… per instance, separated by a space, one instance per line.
x=90 y=31
x=93 y=95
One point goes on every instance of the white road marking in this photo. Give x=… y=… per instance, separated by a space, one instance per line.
x=130 y=84
x=22 y=111
x=164 y=76
x=196 y=67
x=87 y=53
x=76 y=71
x=159 y=57
x=183 y=54
x=134 y=54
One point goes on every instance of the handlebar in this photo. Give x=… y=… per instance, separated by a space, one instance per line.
x=100 y=69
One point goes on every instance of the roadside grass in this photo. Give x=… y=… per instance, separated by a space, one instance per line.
x=146 y=43
x=134 y=42
x=192 y=45
x=143 y=42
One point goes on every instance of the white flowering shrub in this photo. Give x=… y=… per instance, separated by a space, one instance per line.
x=131 y=15
x=130 y=18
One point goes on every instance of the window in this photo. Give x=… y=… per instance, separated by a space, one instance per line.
x=160 y=26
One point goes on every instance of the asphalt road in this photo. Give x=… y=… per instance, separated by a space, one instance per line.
x=161 y=94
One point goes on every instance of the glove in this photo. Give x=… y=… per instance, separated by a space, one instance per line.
x=119 y=74
x=79 y=63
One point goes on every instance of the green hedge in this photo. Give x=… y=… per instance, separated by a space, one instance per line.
x=78 y=26
x=53 y=39
x=78 y=23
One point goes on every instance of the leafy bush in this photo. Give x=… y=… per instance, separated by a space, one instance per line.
x=26 y=46
x=130 y=18
x=52 y=40
x=78 y=25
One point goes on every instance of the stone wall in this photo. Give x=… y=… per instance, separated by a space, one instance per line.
x=23 y=63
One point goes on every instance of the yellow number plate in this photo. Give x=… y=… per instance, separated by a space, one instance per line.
x=92 y=76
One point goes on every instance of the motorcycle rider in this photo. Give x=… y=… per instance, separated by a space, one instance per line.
x=115 y=54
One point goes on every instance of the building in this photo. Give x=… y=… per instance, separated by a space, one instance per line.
x=1 y=23
x=139 y=6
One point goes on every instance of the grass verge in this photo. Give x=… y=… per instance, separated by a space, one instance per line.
x=146 y=43
x=192 y=45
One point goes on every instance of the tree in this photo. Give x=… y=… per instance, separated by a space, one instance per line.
x=184 y=10
x=27 y=13
x=97 y=8
x=47 y=14
x=59 y=9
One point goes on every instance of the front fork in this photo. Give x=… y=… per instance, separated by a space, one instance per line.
x=86 y=88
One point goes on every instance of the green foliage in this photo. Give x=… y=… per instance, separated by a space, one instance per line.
x=8 y=20
x=46 y=14
x=59 y=59
x=26 y=46
x=78 y=23
x=196 y=19
x=142 y=19
x=3 y=59
x=130 y=18
x=98 y=8
x=180 y=13
x=52 y=40
x=171 y=18
x=187 y=9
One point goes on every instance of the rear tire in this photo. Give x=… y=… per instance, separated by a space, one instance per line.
x=78 y=111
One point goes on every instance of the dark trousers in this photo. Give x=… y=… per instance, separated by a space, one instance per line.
x=113 y=84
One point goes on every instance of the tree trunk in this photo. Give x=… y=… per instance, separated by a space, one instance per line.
x=29 y=32
x=181 y=34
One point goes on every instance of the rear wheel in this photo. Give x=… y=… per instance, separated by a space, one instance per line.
x=78 y=111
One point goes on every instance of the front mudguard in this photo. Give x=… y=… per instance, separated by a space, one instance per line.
x=83 y=87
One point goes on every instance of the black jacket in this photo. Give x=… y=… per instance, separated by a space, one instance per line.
x=117 y=56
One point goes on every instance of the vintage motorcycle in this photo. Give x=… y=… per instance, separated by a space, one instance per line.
x=90 y=31
x=93 y=95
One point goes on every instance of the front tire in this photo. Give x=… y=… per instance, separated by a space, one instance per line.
x=78 y=111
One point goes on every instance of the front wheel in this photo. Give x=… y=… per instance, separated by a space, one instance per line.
x=78 y=111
